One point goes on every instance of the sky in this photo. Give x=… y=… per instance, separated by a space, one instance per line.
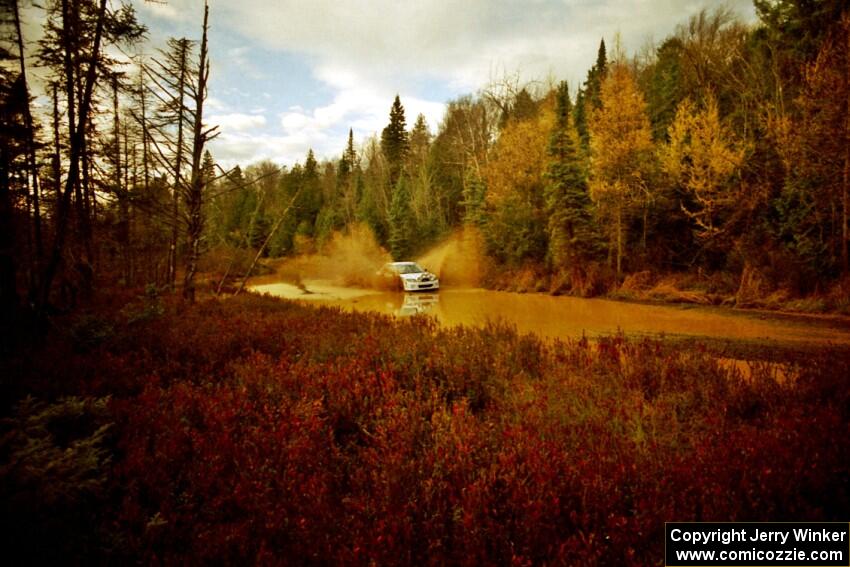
x=291 y=75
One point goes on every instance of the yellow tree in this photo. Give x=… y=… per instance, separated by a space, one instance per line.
x=703 y=157
x=621 y=152
x=515 y=184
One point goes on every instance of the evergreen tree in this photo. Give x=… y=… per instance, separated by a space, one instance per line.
x=595 y=76
x=797 y=28
x=310 y=200
x=394 y=142
x=580 y=118
x=345 y=184
x=590 y=96
x=368 y=211
x=524 y=107
x=232 y=203
x=420 y=142
x=474 y=194
x=348 y=160
x=208 y=169
x=401 y=221
x=664 y=87
x=570 y=223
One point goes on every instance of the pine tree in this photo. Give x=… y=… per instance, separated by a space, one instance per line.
x=580 y=118
x=394 y=142
x=474 y=194
x=367 y=209
x=596 y=75
x=347 y=162
x=420 y=142
x=524 y=107
x=570 y=223
x=208 y=169
x=401 y=221
x=309 y=201
x=345 y=200
x=665 y=87
x=590 y=98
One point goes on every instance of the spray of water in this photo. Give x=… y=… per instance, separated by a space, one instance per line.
x=354 y=259
x=459 y=260
x=349 y=259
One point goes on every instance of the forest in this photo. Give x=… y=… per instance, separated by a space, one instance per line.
x=147 y=415
x=719 y=154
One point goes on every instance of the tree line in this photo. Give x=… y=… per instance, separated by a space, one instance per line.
x=724 y=148
x=721 y=149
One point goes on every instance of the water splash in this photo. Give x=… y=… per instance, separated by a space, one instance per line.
x=459 y=260
x=350 y=258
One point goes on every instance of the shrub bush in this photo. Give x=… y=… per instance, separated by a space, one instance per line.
x=259 y=430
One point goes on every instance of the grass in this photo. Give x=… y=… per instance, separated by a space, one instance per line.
x=259 y=430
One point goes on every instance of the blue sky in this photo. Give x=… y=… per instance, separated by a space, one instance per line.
x=289 y=75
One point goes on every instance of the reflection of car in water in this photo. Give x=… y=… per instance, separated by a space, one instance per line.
x=418 y=303
x=411 y=276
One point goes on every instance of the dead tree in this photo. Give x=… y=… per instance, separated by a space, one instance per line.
x=194 y=197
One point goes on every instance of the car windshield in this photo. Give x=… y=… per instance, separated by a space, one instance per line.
x=407 y=268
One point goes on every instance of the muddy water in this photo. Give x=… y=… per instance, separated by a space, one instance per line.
x=565 y=316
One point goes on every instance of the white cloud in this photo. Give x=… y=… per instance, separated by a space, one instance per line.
x=237 y=122
x=388 y=42
x=162 y=10
x=215 y=104
x=324 y=129
x=363 y=108
x=365 y=52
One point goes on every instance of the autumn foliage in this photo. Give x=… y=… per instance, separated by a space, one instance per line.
x=254 y=430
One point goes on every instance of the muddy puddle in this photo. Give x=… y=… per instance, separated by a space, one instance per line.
x=565 y=317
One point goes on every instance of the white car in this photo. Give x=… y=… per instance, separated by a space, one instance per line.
x=412 y=276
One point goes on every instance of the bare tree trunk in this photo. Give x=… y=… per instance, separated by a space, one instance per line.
x=130 y=185
x=149 y=263
x=144 y=124
x=77 y=134
x=8 y=269
x=83 y=194
x=178 y=165
x=120 y=188
x=30 y=147
x=57 y=147
x=194 y=197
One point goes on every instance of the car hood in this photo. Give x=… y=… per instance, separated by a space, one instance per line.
x=415 y=277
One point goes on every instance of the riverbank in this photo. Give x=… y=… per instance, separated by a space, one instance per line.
x=720 y=289
x=350 y=265
x=600 y=315
x=258 y=429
